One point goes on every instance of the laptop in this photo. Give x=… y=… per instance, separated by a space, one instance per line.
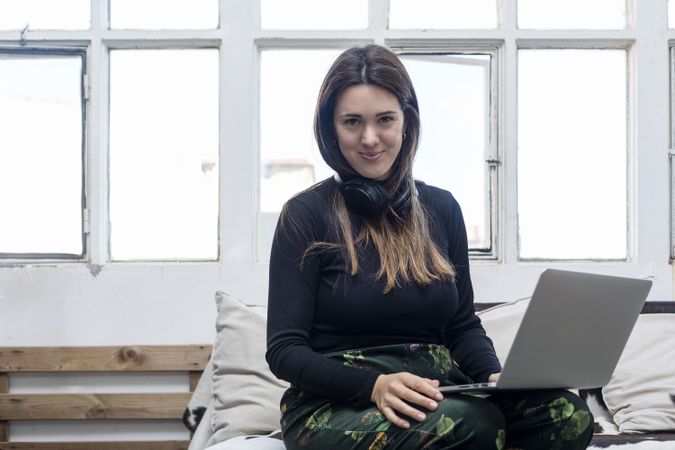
x=572 y=333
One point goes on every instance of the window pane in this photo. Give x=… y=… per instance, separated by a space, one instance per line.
x=44 y=14
x=41 y=154
x=572 y=14
x=314 y=14
x=290 y=160
x=671 y=13
x=160 y=14
x=164 y=154
x=572 y=155
x=454 y=97
x=439 y=14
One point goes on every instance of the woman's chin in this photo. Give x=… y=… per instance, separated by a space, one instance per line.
x=376 y=175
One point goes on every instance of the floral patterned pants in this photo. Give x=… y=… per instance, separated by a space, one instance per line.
x=517 y=420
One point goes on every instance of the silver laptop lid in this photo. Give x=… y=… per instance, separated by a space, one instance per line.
x=573 y=331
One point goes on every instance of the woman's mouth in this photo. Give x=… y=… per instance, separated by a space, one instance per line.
x=371 y=156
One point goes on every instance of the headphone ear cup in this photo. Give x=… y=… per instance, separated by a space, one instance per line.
x=364 y=197
x=402 y=201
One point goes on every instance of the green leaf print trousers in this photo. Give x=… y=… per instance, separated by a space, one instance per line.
x=514 y=420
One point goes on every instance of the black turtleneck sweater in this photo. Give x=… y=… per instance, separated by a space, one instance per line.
x=315 y=306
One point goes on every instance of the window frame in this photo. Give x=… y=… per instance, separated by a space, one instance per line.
x=493 y=157
x=136 y=44
x=238 y=37
x=628 y=47
x=671 y=149
x=266 y=221
x=81 y=52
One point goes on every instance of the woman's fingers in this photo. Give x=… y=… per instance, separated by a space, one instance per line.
x=393 y=418
x=400 y=393
x=426 y=387
x=416 y=398
x=406 y=409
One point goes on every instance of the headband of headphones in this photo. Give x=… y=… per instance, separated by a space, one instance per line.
x=369 y=198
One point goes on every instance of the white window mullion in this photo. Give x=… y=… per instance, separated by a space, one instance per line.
x=378 y=18
x=508 y=232
x=238 y=133
x=96 y=169
x=651 y=107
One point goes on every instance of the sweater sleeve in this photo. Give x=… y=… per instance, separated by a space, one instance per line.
x=465 y=336
x=293 y=281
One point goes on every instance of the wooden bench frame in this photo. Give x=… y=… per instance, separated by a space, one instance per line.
x=163 y=406
x=190 y=359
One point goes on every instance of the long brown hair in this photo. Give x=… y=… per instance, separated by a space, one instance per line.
x=403 y=243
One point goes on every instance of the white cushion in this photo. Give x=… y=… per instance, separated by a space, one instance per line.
x=638 y=392
x=245 y=393
x=203 y=432
x=250 y=443
x=501 y=324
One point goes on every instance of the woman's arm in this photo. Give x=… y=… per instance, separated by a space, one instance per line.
x=465 y=337
x=293 y=281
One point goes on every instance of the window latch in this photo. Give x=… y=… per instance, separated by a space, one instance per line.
x=22 y=39
x=493 y=162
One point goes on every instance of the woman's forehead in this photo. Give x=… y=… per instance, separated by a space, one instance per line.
x=367 y=98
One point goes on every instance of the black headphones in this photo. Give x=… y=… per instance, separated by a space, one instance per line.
x=369 y=198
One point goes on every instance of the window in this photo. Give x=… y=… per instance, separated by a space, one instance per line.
x=289 y=158
x=164 y=154
x=159 y=200
x=442 y=14
x=529 y=117
x=454 y=93
x=457 y=150
x=41 y=154
x=158 y=14
x=44 y=15
x=572 y=14
x=314 y=14
x=573 y=121
x=184 y=126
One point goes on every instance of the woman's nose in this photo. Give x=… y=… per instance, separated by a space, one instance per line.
x=369 y=136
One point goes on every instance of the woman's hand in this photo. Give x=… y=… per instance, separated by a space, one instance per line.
x=494 y=377
x=394 y=393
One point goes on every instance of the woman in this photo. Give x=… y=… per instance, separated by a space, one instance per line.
x=370 y=296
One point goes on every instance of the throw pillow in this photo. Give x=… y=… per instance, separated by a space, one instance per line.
x=200 y=400
x=501 y=324
x=202 y=433
x=638 y=392
x=245 y=393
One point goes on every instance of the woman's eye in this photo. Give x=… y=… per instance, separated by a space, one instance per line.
x=351 y=122
x=386 y=119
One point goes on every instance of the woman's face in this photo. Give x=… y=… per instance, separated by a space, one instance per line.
x=369 y=126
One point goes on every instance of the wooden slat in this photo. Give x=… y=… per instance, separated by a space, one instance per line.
x=4 y=388
x=105 y=445
x=91 y=359
x=93 y=406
